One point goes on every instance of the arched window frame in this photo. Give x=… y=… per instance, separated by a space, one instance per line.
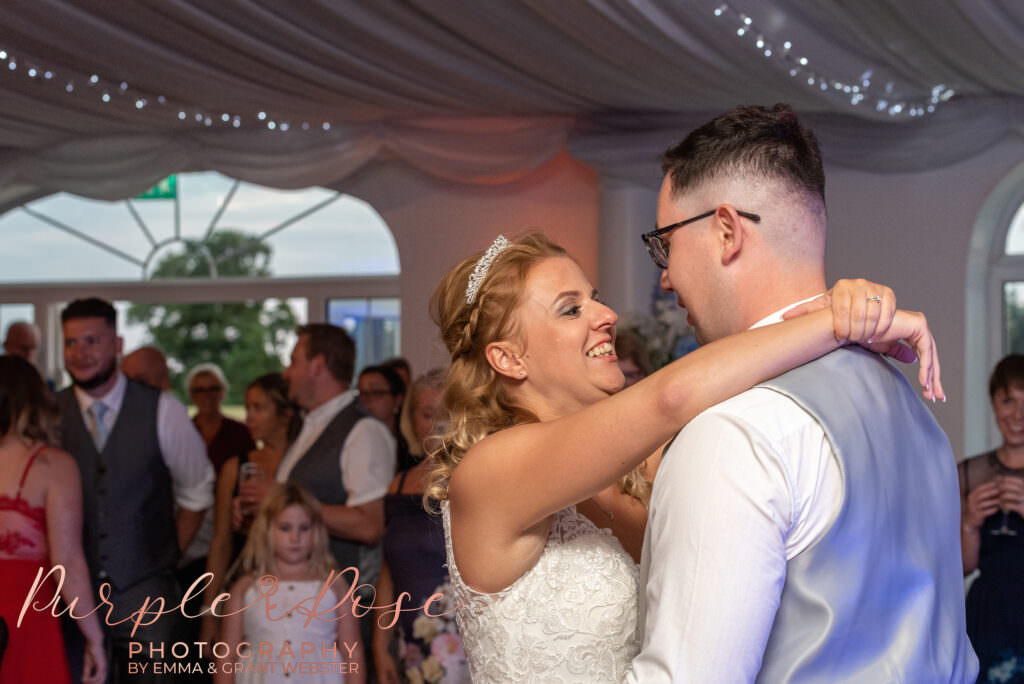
x=989 y=267
x=47 y=298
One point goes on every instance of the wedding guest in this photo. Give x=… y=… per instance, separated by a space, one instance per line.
x=382 y=393
x=147 y=365
x=145 y=478
x=40 y=528
x=274 y=422
x=536 y=423
x=22 y=340
x=289 y=542
x=419 y=647
x=992 y=532
x=223 y=436
x=401 y=366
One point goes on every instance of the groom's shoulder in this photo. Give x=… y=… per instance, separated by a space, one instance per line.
x=759 y=413
x=757 y=406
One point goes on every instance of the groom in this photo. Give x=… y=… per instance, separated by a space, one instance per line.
x=807 y=529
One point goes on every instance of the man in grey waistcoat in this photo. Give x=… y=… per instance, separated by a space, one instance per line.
x=146 y=482
x=344 y=456
x=805 y=530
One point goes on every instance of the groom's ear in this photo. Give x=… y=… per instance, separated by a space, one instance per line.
x=505 y=360
x=731 y=232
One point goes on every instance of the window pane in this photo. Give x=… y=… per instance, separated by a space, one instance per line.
x=373 y=324
x=1015 y=236
x=246 y=339
x=11 y=313
x=1013 y=308
x=343 y=237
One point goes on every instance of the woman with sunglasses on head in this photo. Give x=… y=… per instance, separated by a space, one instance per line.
x=223 y=436
x=537 y=425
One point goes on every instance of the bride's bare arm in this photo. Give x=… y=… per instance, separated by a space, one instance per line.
x=514 y=479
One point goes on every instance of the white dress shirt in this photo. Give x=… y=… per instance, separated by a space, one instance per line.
x=745 y=486
x=181 y=445
x=367 y=458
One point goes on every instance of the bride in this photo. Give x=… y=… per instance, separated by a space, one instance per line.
x=536 y=426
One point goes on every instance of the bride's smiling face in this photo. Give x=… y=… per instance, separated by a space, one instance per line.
x=568 y=340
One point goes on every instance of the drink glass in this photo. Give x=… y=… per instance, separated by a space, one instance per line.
x=1004 y=529
x=247 y=472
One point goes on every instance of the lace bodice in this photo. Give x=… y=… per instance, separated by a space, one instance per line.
x=569 y=618
x=22 y=526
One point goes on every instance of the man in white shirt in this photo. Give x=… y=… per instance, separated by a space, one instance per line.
x=145 y=475
x=785 y=543
x=344 y=456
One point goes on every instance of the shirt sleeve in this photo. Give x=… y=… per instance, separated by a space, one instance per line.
x=184 y=454
x=367 y=461
x=720 y=512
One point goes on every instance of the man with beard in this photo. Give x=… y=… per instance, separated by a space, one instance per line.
x=141 y=458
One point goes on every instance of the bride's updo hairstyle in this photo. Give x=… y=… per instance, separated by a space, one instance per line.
x=476 y=398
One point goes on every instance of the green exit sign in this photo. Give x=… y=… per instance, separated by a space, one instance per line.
x=165 y=189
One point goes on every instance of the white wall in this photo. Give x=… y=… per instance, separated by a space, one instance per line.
x=912 y=232
x=437 y=224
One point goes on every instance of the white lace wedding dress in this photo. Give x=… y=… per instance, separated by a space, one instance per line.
x=569 y=618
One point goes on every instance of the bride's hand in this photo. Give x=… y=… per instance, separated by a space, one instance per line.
x=865 y=313
x=861 y=309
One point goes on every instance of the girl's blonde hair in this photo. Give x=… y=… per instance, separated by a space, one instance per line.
x=476 y=401
x=258 y=554
x=432 y=379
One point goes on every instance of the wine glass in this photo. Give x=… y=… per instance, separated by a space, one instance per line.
x=247 y=472
x=1004 y=529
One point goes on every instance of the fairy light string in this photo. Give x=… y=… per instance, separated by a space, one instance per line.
x=119 y=93
x=861 y=91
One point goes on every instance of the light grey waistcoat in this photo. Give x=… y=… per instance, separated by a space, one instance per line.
x=879 y=598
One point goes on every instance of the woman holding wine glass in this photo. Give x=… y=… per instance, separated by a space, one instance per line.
x=274 y=422
x=992 y=533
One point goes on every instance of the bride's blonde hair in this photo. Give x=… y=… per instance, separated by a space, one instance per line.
x=476 y=400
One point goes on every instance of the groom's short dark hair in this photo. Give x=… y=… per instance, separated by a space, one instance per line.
x=762 y=141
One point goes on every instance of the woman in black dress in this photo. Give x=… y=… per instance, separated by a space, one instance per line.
x=992 y=534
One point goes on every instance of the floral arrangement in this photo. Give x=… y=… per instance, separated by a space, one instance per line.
x=665 y=334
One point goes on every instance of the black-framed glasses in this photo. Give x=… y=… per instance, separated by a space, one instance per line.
x=657 y=246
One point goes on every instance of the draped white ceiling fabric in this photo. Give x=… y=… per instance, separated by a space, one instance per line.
x=482 y=92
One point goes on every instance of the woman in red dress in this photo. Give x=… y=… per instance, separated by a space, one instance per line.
x=40 y=527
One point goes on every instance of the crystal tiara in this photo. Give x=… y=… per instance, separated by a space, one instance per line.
x=483 y=265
